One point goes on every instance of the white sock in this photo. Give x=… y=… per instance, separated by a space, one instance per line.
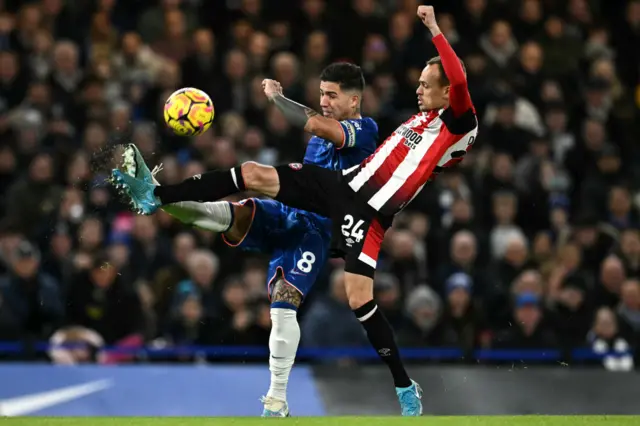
x=215 y=217
x=283 y=345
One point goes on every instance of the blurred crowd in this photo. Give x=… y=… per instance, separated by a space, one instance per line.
x=533 y=242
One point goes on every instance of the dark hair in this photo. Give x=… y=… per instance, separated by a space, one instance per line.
x=444 y=81
x=348 y=76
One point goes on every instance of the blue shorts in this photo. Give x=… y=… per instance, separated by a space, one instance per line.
x=298 y=241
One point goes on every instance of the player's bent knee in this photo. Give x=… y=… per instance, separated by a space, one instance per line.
x=242 y=218
x=282 y=320
x=359 y=290
x=284 y=295
x=285 y=333
x=260 y=178
x=358 y=301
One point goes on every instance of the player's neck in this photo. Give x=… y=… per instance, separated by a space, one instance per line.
x=435 y=110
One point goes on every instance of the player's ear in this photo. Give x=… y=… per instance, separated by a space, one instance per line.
x=446 y=91
x=355 y=100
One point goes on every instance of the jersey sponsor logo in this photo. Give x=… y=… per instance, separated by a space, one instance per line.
x=350 y=134
x=295 y=166
x=411 y=138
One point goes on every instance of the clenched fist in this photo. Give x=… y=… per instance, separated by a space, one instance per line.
x=428 y=17
x=271 y=88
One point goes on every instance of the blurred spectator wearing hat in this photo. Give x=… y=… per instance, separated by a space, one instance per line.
x=572 y=312
x=528 y=330
x=202 y=267
x=96 y=299
x=31 y=299
x=424 y=310
x=463 y=324
x=463 y=257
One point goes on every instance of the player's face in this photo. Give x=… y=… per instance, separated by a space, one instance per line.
x=431 y=94
x=336 y=103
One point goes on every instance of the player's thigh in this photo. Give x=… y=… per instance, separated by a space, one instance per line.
x=299 y=266
x=359 y=238
x=308 y=187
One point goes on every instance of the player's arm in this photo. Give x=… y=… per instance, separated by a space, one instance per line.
x=310 y=120
x=302 y=116
x=459 y=97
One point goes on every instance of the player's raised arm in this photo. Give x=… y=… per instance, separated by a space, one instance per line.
x=459 y=97
x=307 y=118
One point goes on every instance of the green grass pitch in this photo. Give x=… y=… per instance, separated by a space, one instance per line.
x=327 y=421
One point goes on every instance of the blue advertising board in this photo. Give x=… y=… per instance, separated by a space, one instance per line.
x=46 y=390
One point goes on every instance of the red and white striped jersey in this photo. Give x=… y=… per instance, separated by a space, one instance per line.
x=414 y=153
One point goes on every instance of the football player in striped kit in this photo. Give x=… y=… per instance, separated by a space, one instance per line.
x=361 y=200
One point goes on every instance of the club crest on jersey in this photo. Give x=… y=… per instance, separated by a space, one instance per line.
x=295 y=166
x=411 y=138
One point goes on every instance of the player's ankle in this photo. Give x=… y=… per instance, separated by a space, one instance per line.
x=275 y=398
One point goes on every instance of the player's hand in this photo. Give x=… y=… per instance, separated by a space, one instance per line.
x=271 y=88
x=428 y=17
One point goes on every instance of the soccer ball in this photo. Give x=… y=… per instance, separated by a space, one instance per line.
x=189 y=112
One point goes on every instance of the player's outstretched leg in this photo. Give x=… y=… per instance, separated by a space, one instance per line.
x=145 y=197
x=360 y=294
x=221 y=216
x=283 y=345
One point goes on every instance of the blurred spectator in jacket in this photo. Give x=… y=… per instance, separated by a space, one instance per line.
x=31 y=299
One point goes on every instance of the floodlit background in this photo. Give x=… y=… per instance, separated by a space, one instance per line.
x=527 y=254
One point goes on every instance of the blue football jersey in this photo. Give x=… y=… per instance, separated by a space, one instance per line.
x=360 y=140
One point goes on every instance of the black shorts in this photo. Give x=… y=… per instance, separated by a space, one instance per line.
x=358 y=230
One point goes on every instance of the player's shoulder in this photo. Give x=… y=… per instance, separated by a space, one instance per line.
x=362 y=123
x=460 y=124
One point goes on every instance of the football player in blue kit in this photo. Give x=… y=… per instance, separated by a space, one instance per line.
x=298 y=240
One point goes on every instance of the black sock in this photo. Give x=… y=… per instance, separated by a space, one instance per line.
x=210 y=186
x=381 y=337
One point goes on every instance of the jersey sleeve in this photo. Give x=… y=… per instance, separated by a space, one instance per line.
x=459 y=96
x=358 y=133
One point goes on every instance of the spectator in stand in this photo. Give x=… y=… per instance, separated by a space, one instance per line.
x=529 y=330
x=316 y=328
x=31 y=299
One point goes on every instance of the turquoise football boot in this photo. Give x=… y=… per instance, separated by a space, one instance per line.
x=134 y=165
x=410 y=400
x=139 y=192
